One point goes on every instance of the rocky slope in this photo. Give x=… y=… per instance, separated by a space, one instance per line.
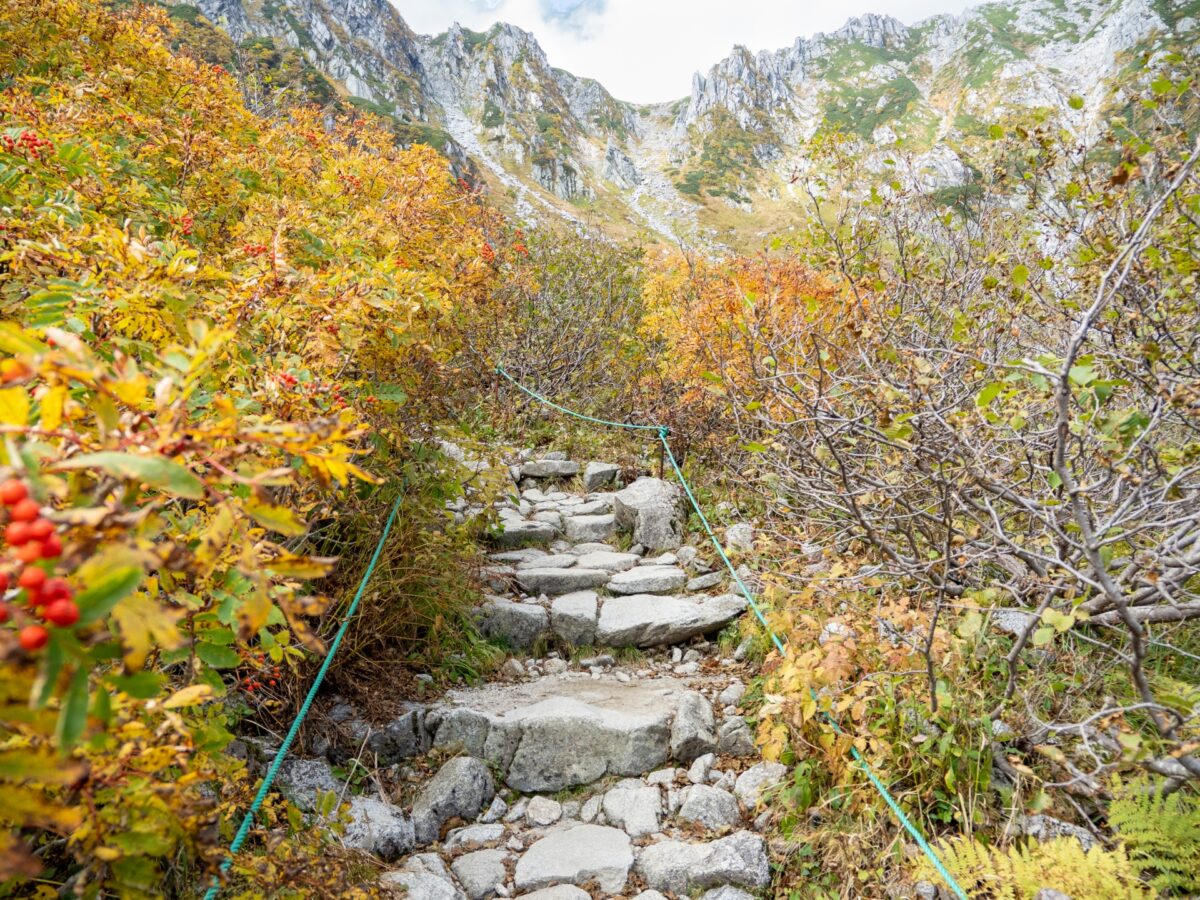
x=562 y=145
x=589 y=769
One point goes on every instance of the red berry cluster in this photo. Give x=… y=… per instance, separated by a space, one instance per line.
x=266 y=676
x=31 y=540
x=488 y=254
x=187 y=223
x=351 y=181
x=28 y=144
x=254 y=249
x=288 y=379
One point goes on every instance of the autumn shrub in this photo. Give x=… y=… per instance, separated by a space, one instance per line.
x=220 y=334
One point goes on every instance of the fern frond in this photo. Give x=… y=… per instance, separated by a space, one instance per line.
x=1162 y=833
x=1019 y=872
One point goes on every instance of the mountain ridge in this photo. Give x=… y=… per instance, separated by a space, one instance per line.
x=551 y=142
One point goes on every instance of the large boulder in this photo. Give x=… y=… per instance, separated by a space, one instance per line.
x=461 y=788
x=653 y=510
x=583 y=528
x=650 y=620
x=710 y=807
x=573 y=617
x=680 y=868
x=577 y=856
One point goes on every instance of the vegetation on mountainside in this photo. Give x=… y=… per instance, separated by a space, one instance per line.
x=217 y=328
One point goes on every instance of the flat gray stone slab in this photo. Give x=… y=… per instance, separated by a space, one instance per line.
x=573 y=617
x=517 y=624
x=576 y=856
x=647 y=620
x=550 y=468
x=521 y=532
x=608 y=561
x=679 y=868
x=590 y=528
x=550 y=734
x=560 y=581
x=648 y=580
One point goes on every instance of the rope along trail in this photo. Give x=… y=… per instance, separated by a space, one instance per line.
x=248 y=820
x=878 y=784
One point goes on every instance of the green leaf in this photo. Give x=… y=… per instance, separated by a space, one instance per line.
x=98 y=601
x=217 y=656
x=73 y=716
x=140 y=685
x=392 y=393
x=1055 y=481
x=156 y=471
x=755 y=447
x=1161 y=86
x=1082 y=374
x=1043 y=636
x=988 y=394
x=1020 y=275
x=50 y=669
x=995 y=132
x=1076 y=102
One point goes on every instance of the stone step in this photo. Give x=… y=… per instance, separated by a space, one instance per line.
x=556 y=733
x=584 y=618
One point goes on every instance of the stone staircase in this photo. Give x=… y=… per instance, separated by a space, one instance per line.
x=610 y=759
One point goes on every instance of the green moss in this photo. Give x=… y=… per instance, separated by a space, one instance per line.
x=185 y=12
x=303 y=35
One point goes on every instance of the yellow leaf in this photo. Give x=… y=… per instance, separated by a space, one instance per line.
x=276 y=518
x=52 y=407
x=145 y=625
x=189 y=696
x=14 y=406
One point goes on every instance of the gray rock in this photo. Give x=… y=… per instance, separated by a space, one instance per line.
x=678 y=867
x=558 y=892
x=512 y=668
x=462 y=787
x=549 y=561
x=636 y=809
x=1045 y=828
x=602 y=660
x=303 y=781
x=593 y=547
x=480 y=872
x=590 y=528
x=732 y=694
x=687 y=556
x=726 y=893
x=560 y=581
x=692 y=731
x=663 y=776
x=648 y=580
x=653 y=510
x=420 y=886
x=519 y=557
x=650 y=895
x=743 y=649
x=554 y=666
x=550 y=734
x=725 y=781
x=495 y=812
x=591 y=808
x=590 y=508
x=608 y=561
x=1050 y=894
x=521 y=532
x=709 y=806
x=648 y=620
x=473 y=837
x=756 y=779
x=379 y=828
x=573 y=617
x=1011 y=621
x=704 y=582
x=735 y=738
x=598 y=474
x=550 y=468
x=835 y=631
x=517 y=812
x=739 y=537
x=698 y=773
x=542 y=811
x=518 y=624
x=576 y=856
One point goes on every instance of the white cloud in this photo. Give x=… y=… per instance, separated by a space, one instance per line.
x=647 y=50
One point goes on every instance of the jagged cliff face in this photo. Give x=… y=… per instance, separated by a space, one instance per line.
x=563 y=146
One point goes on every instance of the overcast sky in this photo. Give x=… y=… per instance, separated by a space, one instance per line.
x=646 y=50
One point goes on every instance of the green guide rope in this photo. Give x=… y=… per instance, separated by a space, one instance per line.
x=248 y=821
x=861 y=760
